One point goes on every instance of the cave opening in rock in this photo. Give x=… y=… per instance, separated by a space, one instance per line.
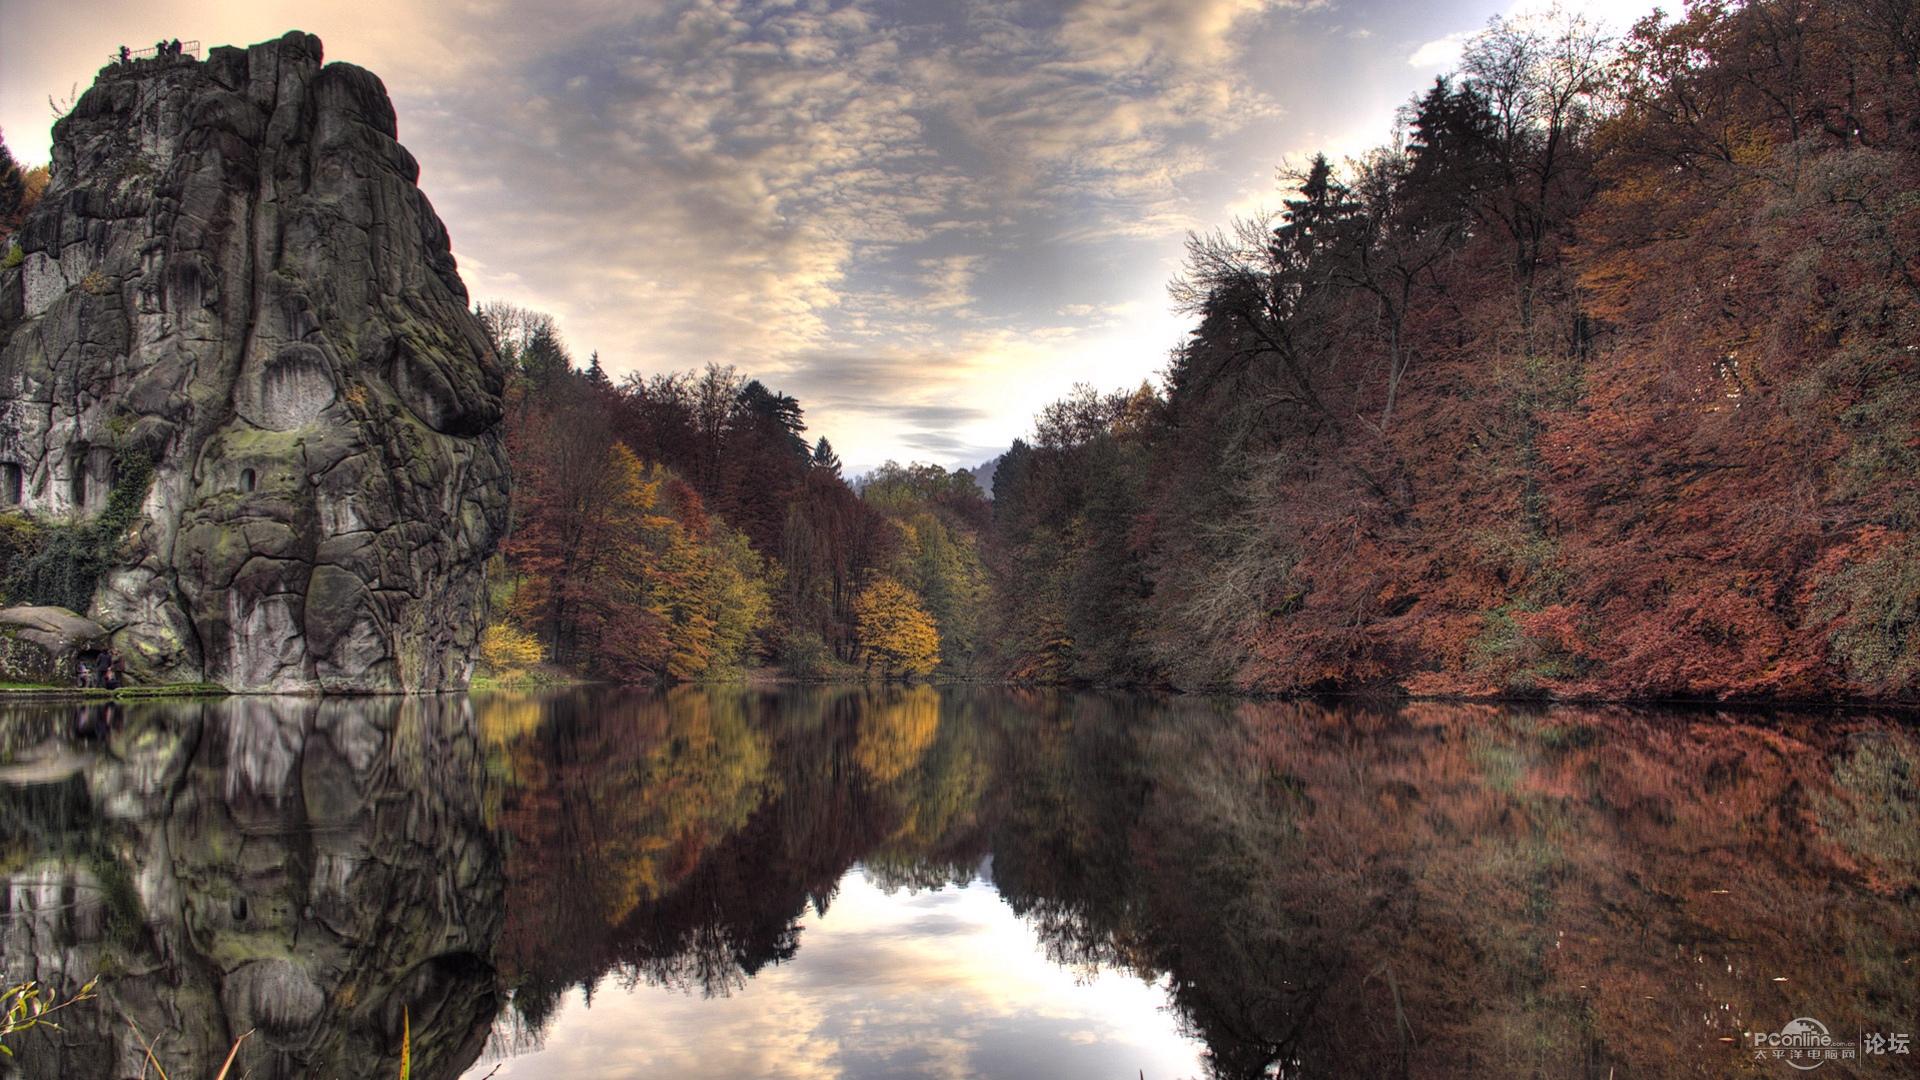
x=12 y=484
x=247 y=480
x=91 y=477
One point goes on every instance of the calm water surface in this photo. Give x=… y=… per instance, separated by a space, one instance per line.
x=953 y=883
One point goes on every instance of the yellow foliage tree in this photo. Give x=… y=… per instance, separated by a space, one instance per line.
x=509 y=651
x=896 y=634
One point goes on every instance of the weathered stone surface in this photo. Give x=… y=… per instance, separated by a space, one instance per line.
x=275 y=995
x=43 y=644
x=234 y=272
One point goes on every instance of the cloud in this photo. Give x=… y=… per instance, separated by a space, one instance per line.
x=925 y=415
x=948 y=281
x=731 y=179
x=1442 y=52
x=914 y=405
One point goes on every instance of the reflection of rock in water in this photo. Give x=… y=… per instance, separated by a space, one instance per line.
x=304 y=870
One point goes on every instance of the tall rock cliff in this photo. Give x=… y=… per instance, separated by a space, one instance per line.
x=234 y=277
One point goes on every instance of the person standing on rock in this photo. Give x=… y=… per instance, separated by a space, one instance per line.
x=125 y=54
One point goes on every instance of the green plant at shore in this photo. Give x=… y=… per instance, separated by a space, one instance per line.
x=64 y=691
x=24 y=1007
x=21 y=537
x=233 y=1052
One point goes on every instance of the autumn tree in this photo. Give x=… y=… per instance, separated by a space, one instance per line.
x=1542 y=89
x=528 y=341
x=617 y=564
x=897 y=636
x=672 y=600
x=940 y=517
x=563 y=516
x=1072 y=577
x=735 y=540
x=508 y=651
x=12 y=187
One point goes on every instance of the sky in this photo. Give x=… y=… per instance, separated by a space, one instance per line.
x=923 y=218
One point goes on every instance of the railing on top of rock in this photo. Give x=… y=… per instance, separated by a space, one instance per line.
x=187 y=48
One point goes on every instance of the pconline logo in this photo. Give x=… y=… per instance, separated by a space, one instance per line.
x=1804 y=1043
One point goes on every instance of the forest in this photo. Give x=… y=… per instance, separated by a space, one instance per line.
x=681 y=527
x=1597 y=381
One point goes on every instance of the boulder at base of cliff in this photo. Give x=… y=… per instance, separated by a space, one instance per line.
x=43 y=644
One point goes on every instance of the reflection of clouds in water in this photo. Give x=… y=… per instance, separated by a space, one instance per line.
x=933 y=926
x=935 y=984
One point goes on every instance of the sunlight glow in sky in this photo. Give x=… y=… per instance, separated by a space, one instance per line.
x=946 y=984
x=923 y=218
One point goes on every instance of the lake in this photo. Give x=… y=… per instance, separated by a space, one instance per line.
x=919 y=882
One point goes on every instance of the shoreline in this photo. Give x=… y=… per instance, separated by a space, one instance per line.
x=28 y=692
x=760 y=680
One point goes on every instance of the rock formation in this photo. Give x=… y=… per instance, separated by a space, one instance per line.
x=234 y=277
x=44 y=644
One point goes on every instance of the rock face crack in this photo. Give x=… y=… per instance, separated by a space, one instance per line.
x=234 y=273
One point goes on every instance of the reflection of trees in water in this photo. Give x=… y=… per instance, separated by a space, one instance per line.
x=934 y=838
x=305 y=870
x=1431 y=890
x=897 y=727
x=1448 y=890
x=607 y=805
x=1873 y=810
x=735 y=812
x=1143 y=836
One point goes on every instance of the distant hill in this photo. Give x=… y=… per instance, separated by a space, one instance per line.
x=983 y=474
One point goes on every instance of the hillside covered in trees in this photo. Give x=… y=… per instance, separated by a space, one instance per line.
x=1599 y=380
